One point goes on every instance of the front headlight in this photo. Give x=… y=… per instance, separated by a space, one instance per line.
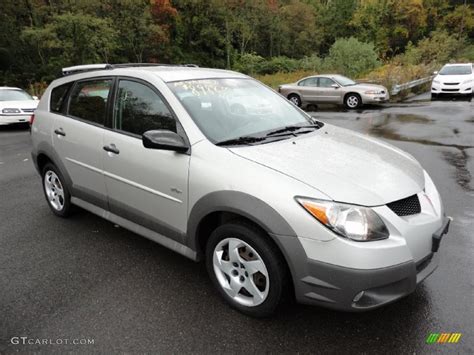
x=354 y=222
x=11 y=110
x=435 y=81
x=468 y=81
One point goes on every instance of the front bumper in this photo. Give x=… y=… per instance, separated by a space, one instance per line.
x=12 y=119
x=350 y=289
x=451 y=90
x=375 y=99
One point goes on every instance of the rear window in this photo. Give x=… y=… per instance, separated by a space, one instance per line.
x=89 y=100
x=58 y=98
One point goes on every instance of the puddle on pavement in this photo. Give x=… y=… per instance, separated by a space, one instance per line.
x=457 y=159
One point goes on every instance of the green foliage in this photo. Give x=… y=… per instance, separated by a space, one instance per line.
x=390 y=24
x=351 y=57
x=258 y=37
x=440 y=47
x=71 y=38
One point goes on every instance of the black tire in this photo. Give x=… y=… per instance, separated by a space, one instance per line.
x=434 y=97
x=279 y=287
x=352 y=101
x=65 y=207
x=296 y=99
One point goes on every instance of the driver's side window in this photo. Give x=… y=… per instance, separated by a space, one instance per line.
x=326 y=82
x=138 y=109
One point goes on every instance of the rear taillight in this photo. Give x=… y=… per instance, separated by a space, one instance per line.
x=32 y=119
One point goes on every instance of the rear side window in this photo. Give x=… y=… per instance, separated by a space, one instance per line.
x=309 y=82
x=138 y=109
x=88 y=100
x=58 y=98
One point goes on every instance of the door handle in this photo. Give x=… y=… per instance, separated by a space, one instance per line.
x=60 y=132
x=111 y=149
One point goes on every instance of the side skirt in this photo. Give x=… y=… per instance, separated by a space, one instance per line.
x=136 y=228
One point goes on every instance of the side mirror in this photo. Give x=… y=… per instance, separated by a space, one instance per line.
x=164 y=140
x=435 y=73
x=35 y=98
x=335 y=86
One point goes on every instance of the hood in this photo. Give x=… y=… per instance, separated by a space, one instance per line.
x=453 y=78
x=368 y=87
x=29 y=104
x=346 y=166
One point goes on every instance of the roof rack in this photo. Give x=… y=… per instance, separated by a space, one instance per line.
x=83 y=68
x=105 y=66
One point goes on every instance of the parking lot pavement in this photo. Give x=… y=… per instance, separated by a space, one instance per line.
x=83 y=278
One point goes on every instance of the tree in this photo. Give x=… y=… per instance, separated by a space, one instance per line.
x=351 y=57
x=71 y=39
x=390 y=24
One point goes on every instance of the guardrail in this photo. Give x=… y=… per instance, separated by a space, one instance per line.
x=397 y=88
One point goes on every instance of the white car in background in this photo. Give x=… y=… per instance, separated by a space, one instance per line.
x=453 y=79
x=16 y=105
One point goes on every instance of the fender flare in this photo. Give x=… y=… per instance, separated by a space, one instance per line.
x=240 y=203
x=46 y=149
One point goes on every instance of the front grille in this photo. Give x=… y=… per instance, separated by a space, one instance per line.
x=451 y=90
x=28 y=110
x=451 y=83
x=406 y=206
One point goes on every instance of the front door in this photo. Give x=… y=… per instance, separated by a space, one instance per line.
x=327 y=90
x=146 y=186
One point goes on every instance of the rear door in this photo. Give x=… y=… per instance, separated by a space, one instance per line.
x=78 y=137
x=308 y=89
x=146 y=186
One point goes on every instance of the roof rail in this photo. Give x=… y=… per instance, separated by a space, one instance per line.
x=131 y=65
x=90 y=67
x=83 y=68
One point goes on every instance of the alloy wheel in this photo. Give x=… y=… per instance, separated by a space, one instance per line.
x=241 y=272
x=352 y=101
x=54 y=190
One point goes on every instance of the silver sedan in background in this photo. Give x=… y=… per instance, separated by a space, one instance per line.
x=333 y=89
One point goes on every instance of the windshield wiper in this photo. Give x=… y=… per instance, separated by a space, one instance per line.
x=244 y=140
x=292 y=129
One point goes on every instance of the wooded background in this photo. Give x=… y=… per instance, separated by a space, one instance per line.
x=276 y=40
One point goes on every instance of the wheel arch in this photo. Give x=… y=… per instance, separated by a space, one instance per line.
x=45 y=154
x=219 y=207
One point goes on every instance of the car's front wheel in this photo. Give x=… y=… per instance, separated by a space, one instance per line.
x=295 y=99
x=56 y=192
x=247 y=268
x=352 y=101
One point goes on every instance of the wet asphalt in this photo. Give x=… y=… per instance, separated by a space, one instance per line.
x=83 y=278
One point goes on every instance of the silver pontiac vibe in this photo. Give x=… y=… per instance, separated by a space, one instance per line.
x=217 y=167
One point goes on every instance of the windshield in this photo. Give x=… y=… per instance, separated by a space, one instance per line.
x=14 y=95
x=343 y=81
x=229 y=108
x=456 y=70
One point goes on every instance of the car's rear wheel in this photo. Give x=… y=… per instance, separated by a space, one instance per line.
x=247 y=269
x=352 y=101
x=55 y=190
x=296 y=99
